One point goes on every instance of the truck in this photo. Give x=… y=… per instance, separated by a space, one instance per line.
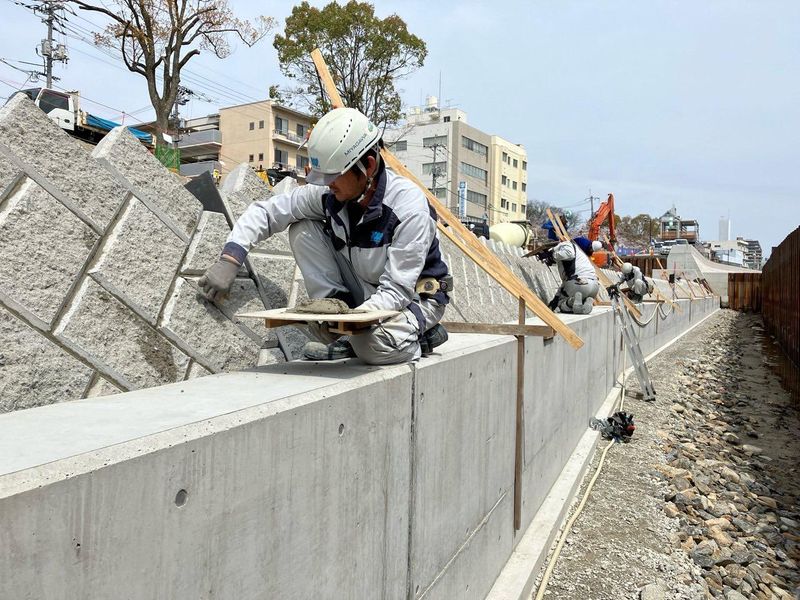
x=64 y=109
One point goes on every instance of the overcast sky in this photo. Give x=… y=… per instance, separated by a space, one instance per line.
x=691 y=103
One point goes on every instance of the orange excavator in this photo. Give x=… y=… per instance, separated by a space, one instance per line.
x=604 y=212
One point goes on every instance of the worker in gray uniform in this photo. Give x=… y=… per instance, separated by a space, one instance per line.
x=579 y=285
x=361 y=235
x=637 y=284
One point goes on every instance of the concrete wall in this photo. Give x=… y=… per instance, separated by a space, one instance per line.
x=300 y=480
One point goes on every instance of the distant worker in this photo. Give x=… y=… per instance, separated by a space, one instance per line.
x=579 y=285
x=361 y=235
x=638 y=284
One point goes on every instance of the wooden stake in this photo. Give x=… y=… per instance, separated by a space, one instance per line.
x=520 y=422
x=457 y=233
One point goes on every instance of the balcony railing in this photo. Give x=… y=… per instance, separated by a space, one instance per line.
x=292 y=137
x=198 y=168
x=200 y=138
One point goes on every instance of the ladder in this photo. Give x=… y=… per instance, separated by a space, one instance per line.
x=632 y=342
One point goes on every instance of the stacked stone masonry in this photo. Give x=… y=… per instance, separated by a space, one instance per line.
x=101 y=252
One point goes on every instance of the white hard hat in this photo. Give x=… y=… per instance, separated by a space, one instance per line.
x=337 y=142
x=597 y=245
x=627 y=268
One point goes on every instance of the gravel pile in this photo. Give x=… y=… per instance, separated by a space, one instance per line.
x=703 y=502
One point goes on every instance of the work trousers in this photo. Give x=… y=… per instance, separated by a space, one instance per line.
x=577 y=295
x=326 y=272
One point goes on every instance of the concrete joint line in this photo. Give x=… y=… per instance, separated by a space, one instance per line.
x=176 y=339
x=22 y=313
x=144 y=198
x=11 y=187
x=51 y=189
x=138 y=310
x=179 y=273
x=282 y=343
x=463 y=546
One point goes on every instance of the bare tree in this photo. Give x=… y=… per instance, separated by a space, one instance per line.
x=158 y=37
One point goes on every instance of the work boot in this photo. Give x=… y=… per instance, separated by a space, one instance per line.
x=333 y=351
x=435 y=336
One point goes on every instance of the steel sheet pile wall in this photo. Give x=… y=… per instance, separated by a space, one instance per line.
x=780 y=295
x=744 y=291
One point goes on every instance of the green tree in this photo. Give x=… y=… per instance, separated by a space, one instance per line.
x=156 y=39
x=366 y=55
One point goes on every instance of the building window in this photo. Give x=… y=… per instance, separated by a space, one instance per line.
x=474 y=171
x=524 y=165
x=250 y=158
x=252 y=125
x=503 y=203
x=302 y=161
x=281 y=125
x=513 y=185
x=261 y=124
x=440 y=193
x=514 y=207
x=505 y=157
x=516 y=163
x=301 y=130
x=428 y=168
x=476 y=198
x=399 y=146
x=446 y=119
x=504 y=180
x=282 y=158
x=260 y=157
x=476 y=147
x=437 y=140
x=524 y=186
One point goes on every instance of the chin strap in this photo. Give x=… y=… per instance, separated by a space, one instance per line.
x=372 y=183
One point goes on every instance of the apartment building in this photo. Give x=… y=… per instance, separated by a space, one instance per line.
x=463 y=166
x=509 y=181
x=264 y=135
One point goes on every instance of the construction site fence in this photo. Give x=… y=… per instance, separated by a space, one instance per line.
x=744 y=291
x=780 y=295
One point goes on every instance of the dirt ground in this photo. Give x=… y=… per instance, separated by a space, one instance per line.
x=703 y=501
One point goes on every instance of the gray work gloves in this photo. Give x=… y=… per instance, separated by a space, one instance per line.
x=217 y=281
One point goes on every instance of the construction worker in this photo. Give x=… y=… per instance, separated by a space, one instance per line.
x=360 y=234
x=579 y=285
x=638 y=284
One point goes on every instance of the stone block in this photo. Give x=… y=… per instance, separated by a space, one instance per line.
x=244 y=297
x=149 y=179
x=36 y=140
x=196 y=370
x=275 y=276
x=9 y=175
x=102 y=387
x=33 y=370
x=202 y=330
x=109 y=334
x=241 y=188
x=207 y=243
x=44 y=247
x=139 y=260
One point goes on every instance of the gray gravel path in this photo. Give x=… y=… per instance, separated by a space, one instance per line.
x=703 y=502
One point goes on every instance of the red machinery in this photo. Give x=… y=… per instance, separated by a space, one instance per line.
x=605 y=211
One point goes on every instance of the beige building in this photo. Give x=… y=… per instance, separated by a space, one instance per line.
x=480 y=177
x=264 y=135
x=508 y=181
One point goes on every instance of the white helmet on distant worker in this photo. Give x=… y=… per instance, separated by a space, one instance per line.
x=597 y=245
x=627 y=268
x=337 y=142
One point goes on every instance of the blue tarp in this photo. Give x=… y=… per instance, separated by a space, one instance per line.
x=107 y=125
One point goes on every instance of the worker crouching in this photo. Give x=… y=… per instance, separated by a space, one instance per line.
x=359 y=234
x=579 y=286
x=637 y=284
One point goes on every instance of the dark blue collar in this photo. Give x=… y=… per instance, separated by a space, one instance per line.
x=374 y=208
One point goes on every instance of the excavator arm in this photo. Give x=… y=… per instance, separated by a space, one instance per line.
x=605 y=211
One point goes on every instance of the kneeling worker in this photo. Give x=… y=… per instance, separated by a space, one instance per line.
x=638 y=284
x=579 y=284
x=360 y=234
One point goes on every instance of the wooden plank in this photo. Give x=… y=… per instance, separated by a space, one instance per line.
x=370 y=317
x=499 y=329
x=490 y=263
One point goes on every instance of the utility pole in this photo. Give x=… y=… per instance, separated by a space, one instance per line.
x=49 y=52
x=591 y=199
